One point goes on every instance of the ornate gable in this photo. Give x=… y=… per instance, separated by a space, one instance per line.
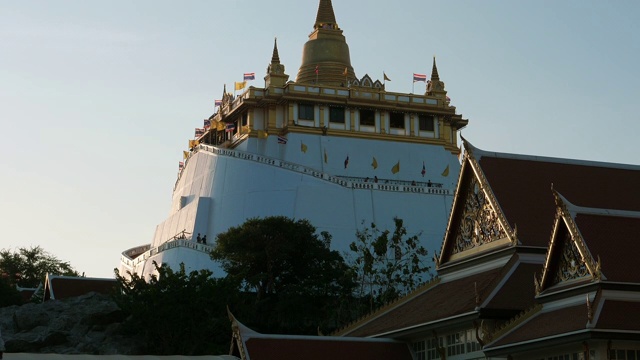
x=476 y=223
x=568 y=258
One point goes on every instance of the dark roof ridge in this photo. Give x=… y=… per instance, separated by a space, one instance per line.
x=576 y=209
x=479 y=153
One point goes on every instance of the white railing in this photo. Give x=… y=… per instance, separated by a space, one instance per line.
x=349 y=182
x=172 y=244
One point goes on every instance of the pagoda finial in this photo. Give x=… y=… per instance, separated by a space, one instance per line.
x=275 y=58
x=326 y=18
x=434 y=71
x=326 y=55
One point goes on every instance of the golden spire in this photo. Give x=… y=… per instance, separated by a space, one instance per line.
x=275 y=58
x=435 y=87
x=275 y=70
x=325 y=15
x=434 y=71
x=326 y=54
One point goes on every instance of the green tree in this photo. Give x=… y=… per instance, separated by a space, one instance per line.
x=299 y=283
x=9 y=294
x=175 y=313
x=28 y=267
x=387 y=265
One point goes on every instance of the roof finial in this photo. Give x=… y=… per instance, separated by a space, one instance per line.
x=434 y=71
x=326 y=17
x=275 y=58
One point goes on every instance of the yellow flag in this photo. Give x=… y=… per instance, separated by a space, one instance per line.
x=396 y=168
x=241 y=85
x=374 y=163
x=345 y=72
x=386 y=78
x=193 y=143
x=185 y=154
x=303 y=147
x=262 y=134
x=325 y=156
x=446 y=171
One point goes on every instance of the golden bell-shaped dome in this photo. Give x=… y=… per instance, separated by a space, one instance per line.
x=325 y=57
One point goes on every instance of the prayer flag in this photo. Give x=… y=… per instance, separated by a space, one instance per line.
x=386 y=78
x=346 y=162
x=419 y=77
x=241 y=85
x=445 y=173
x=374 y=163
x=282 y=140
x=303 y=147
x=249 y=76
x=396 y=168
x=424 y=170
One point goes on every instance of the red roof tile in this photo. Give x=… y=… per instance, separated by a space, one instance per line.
x=439 y=302
x=522 y=186
x=63 y=287
x=321 y=348
x=545 y=324
x=614 y=240
x=615 y=315
x=518 y=291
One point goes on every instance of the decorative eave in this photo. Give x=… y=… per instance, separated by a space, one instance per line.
x=471 y=164
x=565 y=216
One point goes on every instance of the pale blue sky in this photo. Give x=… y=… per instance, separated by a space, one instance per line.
x=98 y=99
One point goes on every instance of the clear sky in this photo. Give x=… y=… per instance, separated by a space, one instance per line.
x=99 y=98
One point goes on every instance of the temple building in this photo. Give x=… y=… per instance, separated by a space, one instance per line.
x=330 y=146
x=536 y=263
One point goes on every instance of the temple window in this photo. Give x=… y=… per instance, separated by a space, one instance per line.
x=367 y=117
x=425 y=122
x=396 y=120
x=336 y=114
x=306 y=112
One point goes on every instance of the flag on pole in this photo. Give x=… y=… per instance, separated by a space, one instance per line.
x=282 y=140
x=303 y=147
x=199 y=132
x=317 y=69
x=386 y=78
x=419 y=77
x=249 y=76
x=230 y=127
x=218 y=103
x=396 y=168
x=181 y=165
x=445 y=173
x=193 y=143
x=374 y=163
x=345 y=72
x=424 y=170
x=346 y=162
x=207 y=124
x=240 y=85
x=185 y=154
